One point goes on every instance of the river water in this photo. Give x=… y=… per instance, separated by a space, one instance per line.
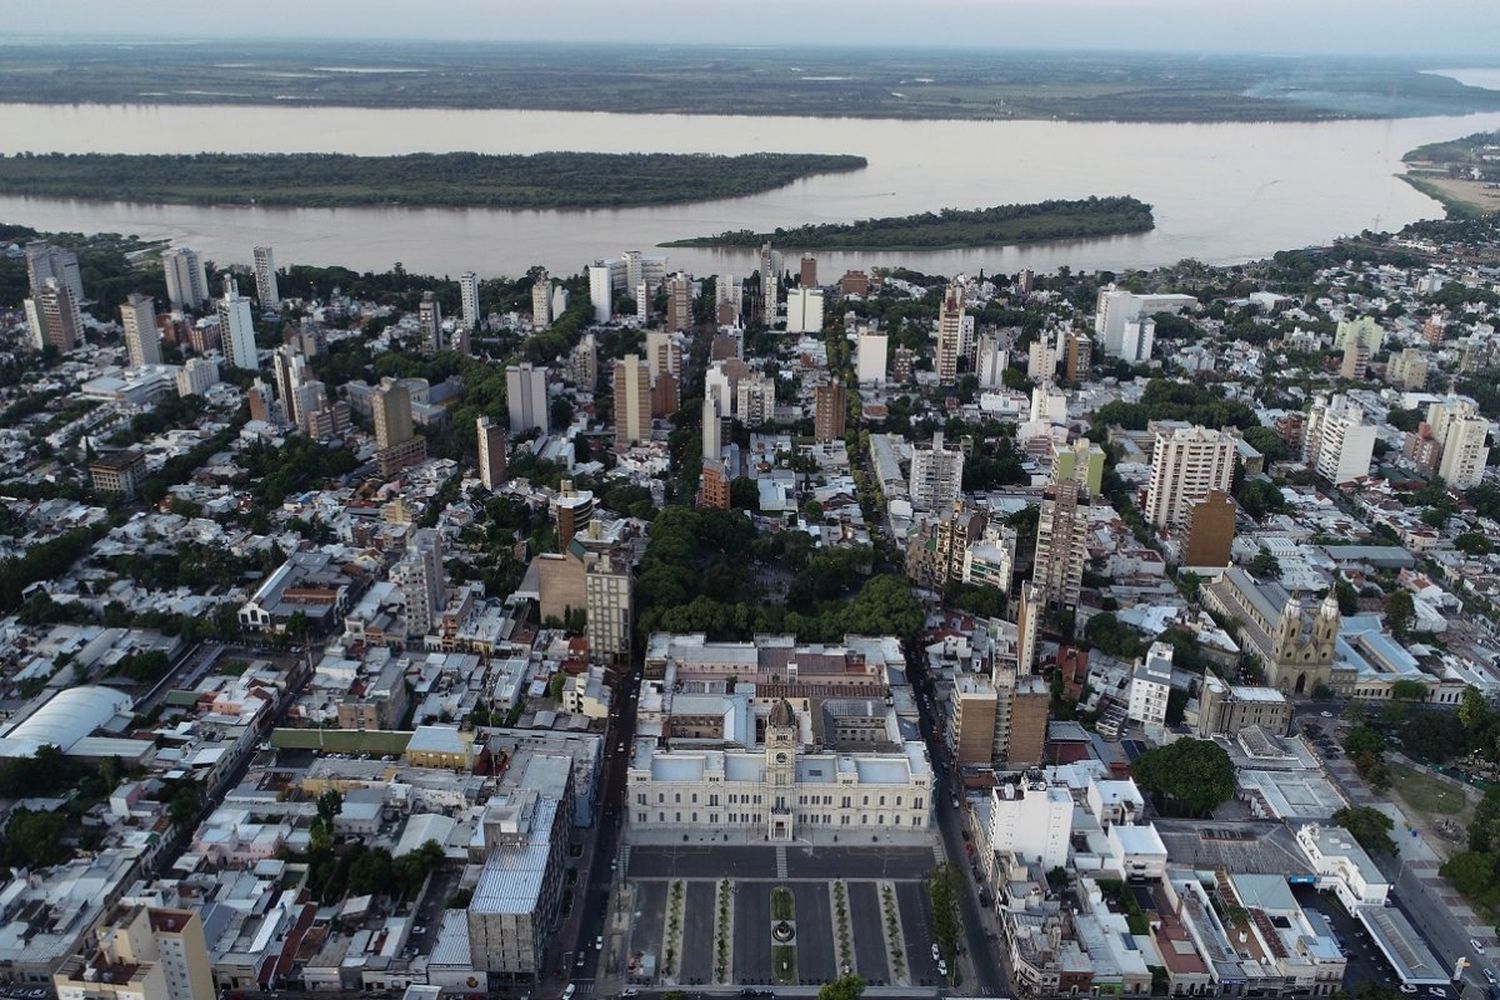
x=1222 y=192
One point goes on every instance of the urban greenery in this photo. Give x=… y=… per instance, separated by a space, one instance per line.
x=951 y=228
x=445 y=180
x=1190 y=776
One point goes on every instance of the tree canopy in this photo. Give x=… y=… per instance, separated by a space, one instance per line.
x=1194 y=775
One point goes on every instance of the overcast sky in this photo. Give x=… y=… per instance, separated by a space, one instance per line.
x=1389 y=27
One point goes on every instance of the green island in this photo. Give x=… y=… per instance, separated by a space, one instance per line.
x=429 y=180
x=1463 y=173
x=953 y=228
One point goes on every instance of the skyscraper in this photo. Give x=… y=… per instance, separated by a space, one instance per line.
x=679 y=302
x=872 y=358
x=44 y=261
x=1186 y=464
x=804 y=310
x=187 y=281
x=632 y=395
x=391 y=410
x=1337 y=443
x=643 y=303
x=1061 y=546
x=950 y=334
x=491 y=439
x=55 y=317
x=808 y=276
x=266 y=292
x=831 y=406
x=601 y=291
x=526 y=398
x=541 y=302
x=1080 y=356
x=468 y=299
x=937 y=475
x=991 y=360
x=664 y=353
x=430 y=323
x=423 y=581
x=237 y=328
x=142 y=340
x=713 y=427
x=1116 y=309
x=770 y=284
x=1464 y=434
x=1210 y=532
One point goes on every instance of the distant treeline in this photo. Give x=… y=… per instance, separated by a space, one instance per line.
x=449 y=180
x=953 y=228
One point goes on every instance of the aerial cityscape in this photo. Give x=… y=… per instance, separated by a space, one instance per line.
x=557 y=514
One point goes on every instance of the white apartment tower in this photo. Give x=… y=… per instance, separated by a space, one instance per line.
x=468 y=299
x=990 y=361
x=1464 y=435
x=1117 y=309
x=804 y=310
x=937 y=475
x=601 y=291
x=1032 y=819
x=187 y=281
x=197 y=375
x=713 y=426
x=237 y=328
x=871 y=359
x=526 y=397
x=1187 y=463
x=1337 y=442
x=266 y=292
x=142 y=341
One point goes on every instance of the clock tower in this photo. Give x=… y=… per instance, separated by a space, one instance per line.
x=781 y=770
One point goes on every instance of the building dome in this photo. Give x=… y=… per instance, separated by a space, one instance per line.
x=783 y=716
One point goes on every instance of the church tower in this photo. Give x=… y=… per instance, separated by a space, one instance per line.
x=781 y=769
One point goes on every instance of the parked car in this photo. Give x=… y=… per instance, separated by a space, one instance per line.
x=568 y=991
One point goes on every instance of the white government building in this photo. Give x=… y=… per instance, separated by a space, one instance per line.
x=778 y=793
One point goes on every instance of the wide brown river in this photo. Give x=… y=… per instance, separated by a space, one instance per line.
x=1222 y=192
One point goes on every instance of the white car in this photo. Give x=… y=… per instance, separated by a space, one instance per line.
x=1489 y=977
x=1477 y=945
x=942 y=968
x=1436 y=991
x=599 y=943
x=937 y=956
x=1408 y=988
x=568 y=991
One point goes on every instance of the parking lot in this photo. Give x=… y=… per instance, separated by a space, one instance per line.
x=1366 y=963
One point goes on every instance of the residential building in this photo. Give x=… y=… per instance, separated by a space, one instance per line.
x=808 y=273
x=601 y=291
x=1210 y=533
x=266 y=292
x=491 y=440
x=641 y=269
x=1151 y=686
x=1338 y=443
x=804 y=310
x=713 y=427
x=468 y=300
x=583 y=363
x=664 y=354
x=1081 y=461
x=950 y=325
x=830 y=409
x=755 y=399
x=118 y=471
x=187 y=281
x=196 y=376
x=1080 y=356
x=1293 y=642
x=1464 y=434
x=571 y=510
x=430 y=323
x=422 y=580
x=870 y=358
x=1187 y=463
x=1364 y=329
x=937 y=475
x=142 y=339
x=1407 y=370
x=237 y=328
x=991 y=359
x=609 y=600
x=398 y=447
x=714 y=488
x=643 y=304
x=1041 y=360
x=1061 y=546
x=632 y=401
x=1032 y=819
x=526 y=397
x=1356 y=361
x=771 y=267
x=541 y=302
x=679 y=302
x=1122 y=320
x=143 y=953
x=971 y=725
x=1022 y=702
x=44 y=261
x=729 y=293
x=55 y=317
